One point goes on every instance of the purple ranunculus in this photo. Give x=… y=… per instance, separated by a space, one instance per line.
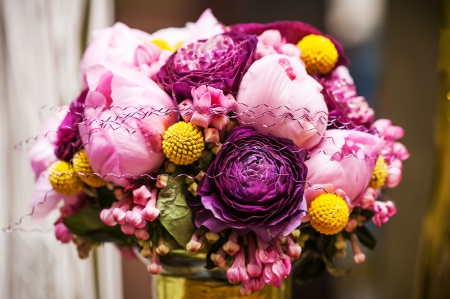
x=292 y=31
x=256 y=183
x=68 y=140
x=218 y=62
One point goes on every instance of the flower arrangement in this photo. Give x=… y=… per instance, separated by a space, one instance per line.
x=247 y=142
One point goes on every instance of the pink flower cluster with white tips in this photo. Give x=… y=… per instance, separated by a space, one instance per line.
x=208 y=108
x=394 y=152
x=132 y=213
x=271 y=42
x=265 y=263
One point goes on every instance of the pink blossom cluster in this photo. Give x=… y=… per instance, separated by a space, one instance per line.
x=132 y=212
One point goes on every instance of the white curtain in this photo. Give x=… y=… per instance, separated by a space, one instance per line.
x=40 y=47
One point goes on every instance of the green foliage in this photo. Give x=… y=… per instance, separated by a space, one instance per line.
x=365 y=237
x=175 y=214
x=88 y=225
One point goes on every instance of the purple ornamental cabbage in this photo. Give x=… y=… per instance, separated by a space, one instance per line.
x=218 y=62
x=292 y=31
x=68 y=140
x=256 y=183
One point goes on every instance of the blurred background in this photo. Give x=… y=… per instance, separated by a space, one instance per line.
x=393 y=49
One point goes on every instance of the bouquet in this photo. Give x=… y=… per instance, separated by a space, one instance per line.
x=246 y=142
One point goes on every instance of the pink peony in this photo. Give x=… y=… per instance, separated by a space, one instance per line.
x=114 y=44
x=45 y=198
x=42 y=154
x=344 y=160
x=125 y=116
x=133 y=48
x=278 y=97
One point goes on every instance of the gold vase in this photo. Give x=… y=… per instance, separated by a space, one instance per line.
x=184 y=277
x=433 y=279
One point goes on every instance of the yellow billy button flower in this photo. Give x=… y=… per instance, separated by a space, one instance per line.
x=183 y=143
x=64 y=179
x=328 y=214
x=318 y=53
x=379 y=174
x=84 y=170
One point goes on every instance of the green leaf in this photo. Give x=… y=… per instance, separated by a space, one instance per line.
x=174 y=213
x=105 y=197
x=333 y=270
x=203 y=162
x=310 y=267
x=88 y=225
x=365 y=237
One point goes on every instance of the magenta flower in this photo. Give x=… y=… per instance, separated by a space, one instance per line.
x=217 y=62
x=126 y=113
x=238 y=272
x=278 y=97
x=68 y=140
x=348 y=109
x=255 y=184
x=343 y=160
x=42 y=154
x=383 y=211
x=394 y=152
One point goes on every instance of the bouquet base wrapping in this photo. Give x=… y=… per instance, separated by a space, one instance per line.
x=184 y=276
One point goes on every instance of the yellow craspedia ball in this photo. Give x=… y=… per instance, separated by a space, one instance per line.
x=84 y=170
x=328 y=214
x=183 y=143
x=162 y=44
x=379 y=174
x=318 y=54
x=64 y=179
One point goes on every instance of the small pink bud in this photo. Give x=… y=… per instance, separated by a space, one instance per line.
x=293 y=250
x=185 y=109
x=255 y=284
x=154 y=268
x=128 y=229
x=290 y=50
x=212 y=135
x=193 y=246
x=134 y=217
x=230 y=247
x=141 y=196
x=161 y=181
x=162 y=248
x=142 y=234
x=62 y=233
x=118 y=193
x=244 y=291
x=120 y=215
x=106 y=216
x=150 y=213
x=351 y=225
x=220 y=121
x=212 y=237
x=218 y=260
x=359 y=258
